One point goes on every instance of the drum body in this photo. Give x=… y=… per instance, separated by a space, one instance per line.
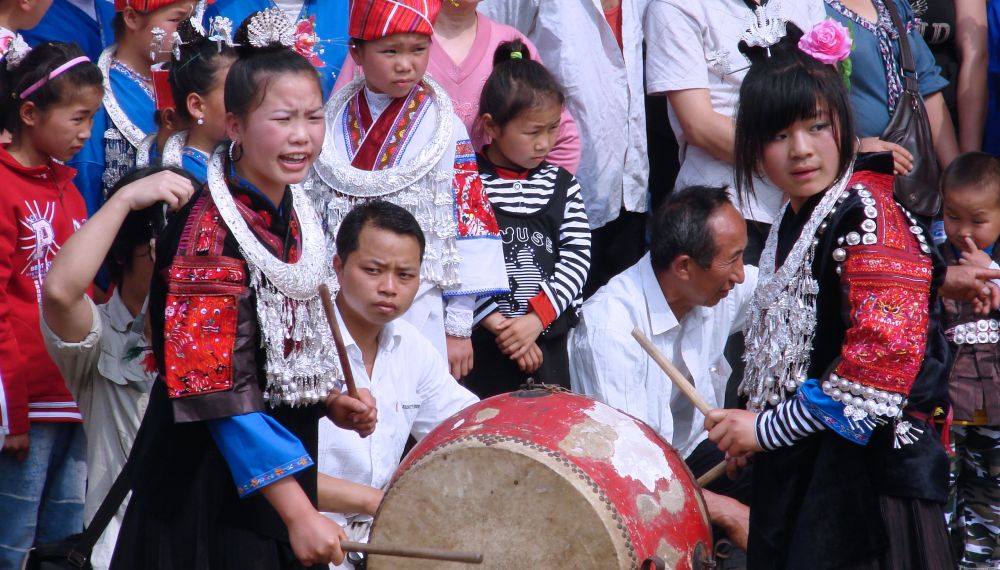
x=535 y=479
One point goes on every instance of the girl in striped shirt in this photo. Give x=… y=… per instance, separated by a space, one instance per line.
x=543 y=225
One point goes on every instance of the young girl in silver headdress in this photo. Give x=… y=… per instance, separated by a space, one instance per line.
x=222 y=469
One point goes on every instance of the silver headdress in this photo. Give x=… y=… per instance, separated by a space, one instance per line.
x=159 y=34
x=271 y=26
x=16 y=52
x=765 y=26
x=220 y=31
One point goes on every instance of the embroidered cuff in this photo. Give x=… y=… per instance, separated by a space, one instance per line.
x=458 y=320
x=270 y=476
x=785 y=424
x=842 y=418
x=543 y=308
x=258 y=450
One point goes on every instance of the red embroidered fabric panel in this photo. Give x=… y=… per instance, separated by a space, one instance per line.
x=381 y=145
x=888 y=287
x=200 y=323
x=473 y=210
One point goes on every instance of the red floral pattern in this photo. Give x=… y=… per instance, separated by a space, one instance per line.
x=200 y=323
x=888 y=288
x=473 y=209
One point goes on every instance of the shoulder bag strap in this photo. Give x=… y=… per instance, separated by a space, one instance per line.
x=908 y=65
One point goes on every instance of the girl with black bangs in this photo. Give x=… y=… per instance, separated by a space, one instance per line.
x=845 y=355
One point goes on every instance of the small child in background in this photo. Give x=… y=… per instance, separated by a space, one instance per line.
x=543 y=225
x=197 y=81
x=48 y=98
x=971 y=187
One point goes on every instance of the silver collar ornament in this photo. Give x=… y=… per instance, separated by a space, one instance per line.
x=423 y=185
x=289 y=310
x=782 y=321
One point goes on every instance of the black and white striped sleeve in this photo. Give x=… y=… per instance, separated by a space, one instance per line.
x=785 y=424
x=566 y=284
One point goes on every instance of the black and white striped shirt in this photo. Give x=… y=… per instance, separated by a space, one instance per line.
x=513 y=201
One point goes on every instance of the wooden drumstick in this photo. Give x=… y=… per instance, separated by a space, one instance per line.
x=689 y=390
x=712 y=474
x=675 y=375
x=338 y=341
x=425 y=553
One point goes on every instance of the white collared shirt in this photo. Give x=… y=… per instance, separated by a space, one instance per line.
x=695 y=45
x=604 y=92
x=609 y=365
x=413 y=392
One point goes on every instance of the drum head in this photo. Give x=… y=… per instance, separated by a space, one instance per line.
x=520 y=505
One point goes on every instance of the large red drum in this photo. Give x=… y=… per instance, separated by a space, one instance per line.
x=536 y=479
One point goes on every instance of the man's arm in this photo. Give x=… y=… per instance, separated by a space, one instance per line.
x=703 y=127
x=342 y=496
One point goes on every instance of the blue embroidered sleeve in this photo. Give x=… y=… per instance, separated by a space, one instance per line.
x=832 y=413
x=258 y=450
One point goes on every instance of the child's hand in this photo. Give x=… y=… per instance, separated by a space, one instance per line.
x=515 y=336
x=316 y=539
x=168 y=187
x=460 y=358
x=972 y=255
x=18 y=446
x=733 y=431
x=531 y=360
x=491 y=321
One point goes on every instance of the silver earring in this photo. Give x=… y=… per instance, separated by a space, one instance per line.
x=200 y=121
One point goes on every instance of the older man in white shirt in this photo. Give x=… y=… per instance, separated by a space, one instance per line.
x=688 y=294
x=378 y=266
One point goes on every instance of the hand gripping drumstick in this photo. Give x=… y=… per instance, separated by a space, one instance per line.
x=425 y=553
x=338 y=341
x=689 y=390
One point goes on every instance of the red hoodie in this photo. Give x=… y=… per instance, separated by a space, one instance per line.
x=39 y=209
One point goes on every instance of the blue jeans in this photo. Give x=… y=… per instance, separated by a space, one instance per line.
x=41 y=500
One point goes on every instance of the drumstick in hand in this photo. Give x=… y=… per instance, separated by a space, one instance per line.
x=338 y=341
x=689 y=390
x=675 y=375
x=425 y=553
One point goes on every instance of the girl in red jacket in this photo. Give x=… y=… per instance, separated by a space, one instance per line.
x=48 y=97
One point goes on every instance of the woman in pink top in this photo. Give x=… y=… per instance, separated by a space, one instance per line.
x=463 y=35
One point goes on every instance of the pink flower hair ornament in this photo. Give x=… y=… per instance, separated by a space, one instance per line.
x=830 y=43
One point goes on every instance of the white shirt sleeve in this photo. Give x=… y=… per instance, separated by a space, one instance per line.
x=520 y=14
x=440 y=395
x=675 y=53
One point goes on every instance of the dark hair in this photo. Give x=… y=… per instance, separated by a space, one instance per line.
x=680 y=226
x=785 y=85
x=381 y=214
x=36 y=66
x=256 y=67
x=139 y=226
x=972 y=170
x=516 y=84
x=201 y=58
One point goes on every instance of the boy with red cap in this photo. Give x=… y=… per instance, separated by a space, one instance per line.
x=392 y=135
x=143 y=34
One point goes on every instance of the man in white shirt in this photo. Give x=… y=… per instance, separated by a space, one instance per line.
x=379 y=251
x=693 y=58
x=687 y=295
